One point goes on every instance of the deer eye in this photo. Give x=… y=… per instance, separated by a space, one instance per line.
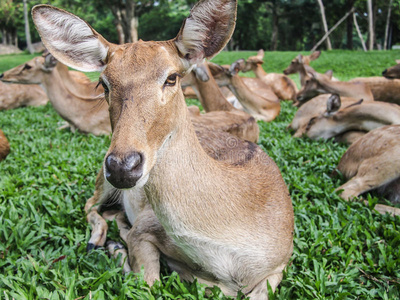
x=171 y=79
x=105 y=87
x=26 y=67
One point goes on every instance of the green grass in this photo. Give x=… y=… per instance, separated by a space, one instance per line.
x=341 y=250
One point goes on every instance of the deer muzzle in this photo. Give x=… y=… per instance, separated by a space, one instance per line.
x=123 y=172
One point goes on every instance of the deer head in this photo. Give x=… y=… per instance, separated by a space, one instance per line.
x=141 y=80
x=315 y=84
x=299 y=61
x=32 y=71
x=392 y=72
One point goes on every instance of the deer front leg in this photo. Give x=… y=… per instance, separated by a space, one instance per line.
x=98 y=224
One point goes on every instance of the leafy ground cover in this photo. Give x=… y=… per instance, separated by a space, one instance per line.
x=341 y=250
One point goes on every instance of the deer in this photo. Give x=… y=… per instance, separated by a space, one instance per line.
x=383 y=89
x=260 y=107
x=372 y=163
x=360 y=116
x=297 y=65
x=318 y=84
x=4 y=146
x=284 y=87
x=226 y=223
x=76 y=101
x=14 y=96
x=392 y=72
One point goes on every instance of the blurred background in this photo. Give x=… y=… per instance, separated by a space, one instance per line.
x=277 y=25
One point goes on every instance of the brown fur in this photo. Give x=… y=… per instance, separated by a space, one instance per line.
x=392 y=72
x=19 y=95
x=226 y=222
x=383 y=89
x=318 y=84
x=373 y=163
x=259 y=107
x=297 y=66
x=283 y=86
x=4 y=146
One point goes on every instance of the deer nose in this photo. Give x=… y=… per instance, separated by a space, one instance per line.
x=383 y=73
x=1 y=75
x=123 y=173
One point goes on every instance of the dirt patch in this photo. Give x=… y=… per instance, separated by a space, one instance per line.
x=7 y=49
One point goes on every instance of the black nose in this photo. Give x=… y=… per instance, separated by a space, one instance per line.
x=124 y=172
x=383 y=73
x=1 y=75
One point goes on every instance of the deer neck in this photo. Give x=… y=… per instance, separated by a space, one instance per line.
x=302 y=74
x=65 y=103
x=348 y=89
x=258 y=70
x=211 y=97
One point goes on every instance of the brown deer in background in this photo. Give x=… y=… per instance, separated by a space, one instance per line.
x=226 y=223
x=373 y=163
x=297 y=65
x=284 y=87
x=4 y=146
x=19 y=95
x=392 y=72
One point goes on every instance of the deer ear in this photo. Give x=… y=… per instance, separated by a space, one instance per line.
x=237 y=66
x=207 y=29
x=201 y=72
x=260 y=54
x=70 y=39
x=333 y=104
x=329 y=73
x=315 y=55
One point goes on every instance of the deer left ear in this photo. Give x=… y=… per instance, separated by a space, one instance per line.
x=333 y=105
x=207 y=30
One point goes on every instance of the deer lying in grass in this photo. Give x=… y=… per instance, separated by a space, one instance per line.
x=383 y=89
x=392 y=72
x=297 y=65
x=19 y=95
x=258 y=106
x=373 y=163
x=283 y=86
x=4 y=146
x=228 y=224
x=75 y=100
x=360 y=116
x=318 y=84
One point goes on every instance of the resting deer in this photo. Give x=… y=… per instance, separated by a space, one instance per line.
x=76 y=101
x=4 y=146
x=318 y=84
x=392 y=72
x=383 y=89
x=19 y=95
x=373 y=163
x=224 y=223
x=258 y=106
x=283 y=86
x=297 y=65
x=360 y=116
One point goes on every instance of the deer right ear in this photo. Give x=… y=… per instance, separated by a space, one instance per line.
x=70 y=39
x=315 y=55
x=207 y=29
x=333 y=104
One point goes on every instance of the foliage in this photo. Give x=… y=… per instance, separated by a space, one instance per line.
x=341 y=250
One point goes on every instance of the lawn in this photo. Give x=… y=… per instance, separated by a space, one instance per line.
x=341 y=250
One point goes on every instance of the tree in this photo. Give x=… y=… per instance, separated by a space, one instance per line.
x=27 y=30
x=371 y=31
x=322 y=9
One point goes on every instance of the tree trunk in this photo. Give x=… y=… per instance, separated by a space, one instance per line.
x=328 y=41
x=387 y=25
x=370 y=26
x=275 y=28
x=27 y=30
x=350 y=4
x=359 y=32
x=126 y=21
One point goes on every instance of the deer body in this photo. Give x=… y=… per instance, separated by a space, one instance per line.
x=373 y=162
x=13 y=96
x=361 y=116
x=283 y=86
x=4 y=146
x=231 y=224
x=383 y=89
x=318 y=84
x=76 y=101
